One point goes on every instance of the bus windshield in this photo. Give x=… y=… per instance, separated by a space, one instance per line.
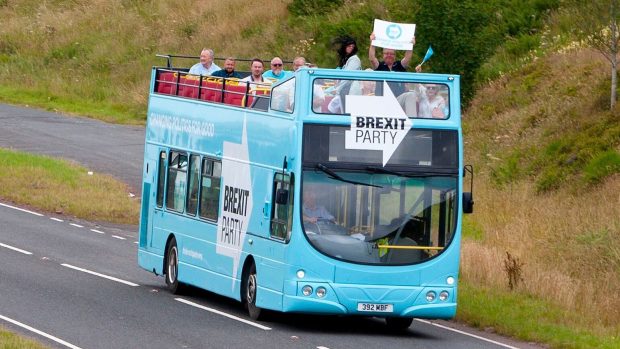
x=378 y=218
x=357 y=210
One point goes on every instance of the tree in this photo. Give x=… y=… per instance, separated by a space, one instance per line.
x=597 y=24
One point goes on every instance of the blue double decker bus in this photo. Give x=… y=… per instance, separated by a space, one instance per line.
x=333 y=192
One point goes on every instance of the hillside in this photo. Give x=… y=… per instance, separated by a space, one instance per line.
x=545 y=146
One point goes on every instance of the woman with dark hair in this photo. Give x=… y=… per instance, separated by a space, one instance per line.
x=347 y=54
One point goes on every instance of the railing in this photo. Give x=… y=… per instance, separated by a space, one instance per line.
x=228 y=91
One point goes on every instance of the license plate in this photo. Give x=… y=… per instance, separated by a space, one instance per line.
x=380 y=308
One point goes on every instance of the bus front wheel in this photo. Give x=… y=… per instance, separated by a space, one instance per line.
x=398 y=323
x=172 y=267
x=251 y=290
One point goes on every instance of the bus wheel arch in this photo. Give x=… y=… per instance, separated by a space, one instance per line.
x=171 y=265
x=249 y=288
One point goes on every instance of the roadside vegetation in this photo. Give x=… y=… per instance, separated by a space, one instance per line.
x=61 y=187
x=541 y=253
x=9 y=340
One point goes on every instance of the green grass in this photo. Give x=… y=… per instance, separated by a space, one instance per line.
x=530 y=319
x=10 y=340
x=59 y=186
x=114 y=113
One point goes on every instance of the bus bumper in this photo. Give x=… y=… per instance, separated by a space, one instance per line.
x=347 y=299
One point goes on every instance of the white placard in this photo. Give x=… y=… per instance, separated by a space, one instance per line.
x=396 y=36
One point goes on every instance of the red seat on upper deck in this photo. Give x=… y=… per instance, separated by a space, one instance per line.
x=166 y=82
x=235 y=92
x=211 y=90
x=188 y=86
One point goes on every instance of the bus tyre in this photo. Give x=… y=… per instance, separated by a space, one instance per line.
x=172 y=267
x=398 y=323
x=251 y=290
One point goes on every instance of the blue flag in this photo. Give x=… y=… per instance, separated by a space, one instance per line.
x=428 y=54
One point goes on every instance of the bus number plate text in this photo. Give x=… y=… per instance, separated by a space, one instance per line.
x=380 y=308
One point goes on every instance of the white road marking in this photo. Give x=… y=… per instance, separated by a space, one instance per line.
x=321 y=347
x=97 y=231
x=15 y=249
x=56 y=219
x=21 y=209
x=40 y=333
x=467 y=334
x=118 y=237
x=76 y=225
x=215 y=311
x=100 y=275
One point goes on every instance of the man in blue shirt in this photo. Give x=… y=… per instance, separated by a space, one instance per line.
x=229 y=70
x=206 y=65
x=313 y=212
x=276 y=73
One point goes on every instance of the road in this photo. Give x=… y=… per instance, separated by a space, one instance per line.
x=101 y=147
x=74 y=284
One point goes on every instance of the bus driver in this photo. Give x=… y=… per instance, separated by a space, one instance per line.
x=313 y=212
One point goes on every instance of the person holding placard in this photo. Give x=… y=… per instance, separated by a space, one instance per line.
x=389 y=62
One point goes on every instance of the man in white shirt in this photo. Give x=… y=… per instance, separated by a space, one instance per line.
x=256 y=77
x=206 y=65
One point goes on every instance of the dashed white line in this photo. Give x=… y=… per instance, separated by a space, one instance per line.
x=100 y=275
x=40 y=333
x=56 y=219
x=21 y=209
x=467 y=334
x=118 y=237
x=15 y=249
x=215 y=311
x=97 y=231
x=76 y=225
x=321 y=347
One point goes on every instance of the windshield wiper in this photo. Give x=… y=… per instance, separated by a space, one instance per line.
x=334 y=175
x=375 y=169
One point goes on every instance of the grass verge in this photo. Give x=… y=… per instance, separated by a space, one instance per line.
x=10 y=340
x=62 y=187
x=117 y=114
x=529 y=318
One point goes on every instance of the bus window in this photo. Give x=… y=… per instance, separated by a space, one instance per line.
x=418 y=100
x=282 y=212
x=161 y=179
x=283 y=96
x=193 y=178
x=210 y=193
x=177 y=176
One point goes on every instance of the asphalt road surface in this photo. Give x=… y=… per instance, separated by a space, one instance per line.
x=73 y=284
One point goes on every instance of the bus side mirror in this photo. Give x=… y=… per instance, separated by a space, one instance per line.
x=468 y=203
x=282 y=197
x=468 y=197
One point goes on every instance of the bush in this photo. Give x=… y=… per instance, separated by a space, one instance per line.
x=602 y=165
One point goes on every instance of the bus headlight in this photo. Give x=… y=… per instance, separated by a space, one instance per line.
x=321 y=292
x=443 y=296
x=301 y=273
x=306 y=290
x=430 y=296
x=450 y=280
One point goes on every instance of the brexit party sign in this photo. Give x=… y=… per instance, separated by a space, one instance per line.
x=236 y=207
x=377 y=123
x=396 y=36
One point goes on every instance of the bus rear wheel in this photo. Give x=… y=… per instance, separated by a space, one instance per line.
x=172 y=267
x=398 y=323
x=251 y=291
